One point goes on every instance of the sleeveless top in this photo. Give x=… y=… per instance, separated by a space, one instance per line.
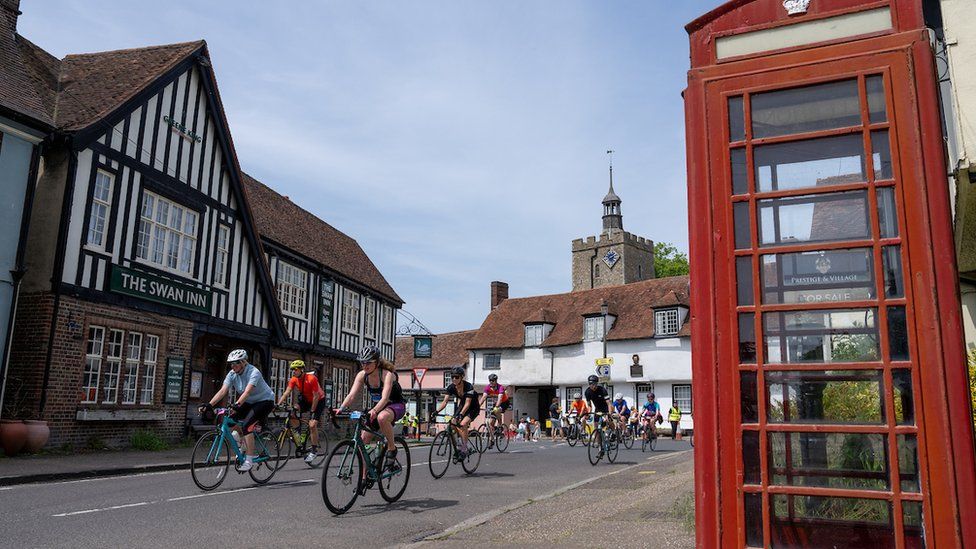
x=376 y=393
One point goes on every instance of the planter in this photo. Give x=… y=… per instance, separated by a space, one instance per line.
x=13 y=436
x=37 y=434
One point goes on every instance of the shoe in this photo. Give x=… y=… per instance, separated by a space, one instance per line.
x=310 y=457
x=391 y=461
x=246 y=466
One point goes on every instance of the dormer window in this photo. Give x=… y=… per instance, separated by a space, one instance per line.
x=666 y=322
x=535 y=334
x=593 y=328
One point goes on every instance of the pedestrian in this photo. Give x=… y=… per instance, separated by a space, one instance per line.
x=554 y=424
x=510 y=432
x=674 y=416
x=520 y=435
x=535 y=429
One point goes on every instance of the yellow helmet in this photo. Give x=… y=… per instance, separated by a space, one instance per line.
x=297 y=365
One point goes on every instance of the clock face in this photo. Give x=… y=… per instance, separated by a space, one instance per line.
x=611 y=258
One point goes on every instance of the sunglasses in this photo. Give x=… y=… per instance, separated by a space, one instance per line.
x=455 y=377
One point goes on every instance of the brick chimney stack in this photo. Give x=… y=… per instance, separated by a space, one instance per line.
x=9 y=10
x=499 y=293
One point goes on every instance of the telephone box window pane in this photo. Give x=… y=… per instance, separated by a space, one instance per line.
x=887 y=216
x=842 y=335
x=908 y=463
x=818 y=277
x=876 y=99
x=904 y=402
x=891 y=261
x=814 y=218
x=749 y=395
x=752 y=504
x=857 y=461
x=911 y=513
x=737 y=125
x=897 y=333
x=812 y=163
x=806 y=109
x=740 y=218
x=750 y=457
x=747 y=338
x=743 y=279
x=740 y=171
x=828 y=520
x=881 y=155
x=851 y=397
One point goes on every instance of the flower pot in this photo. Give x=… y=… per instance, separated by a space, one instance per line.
x=37 y=434
x=13 y=436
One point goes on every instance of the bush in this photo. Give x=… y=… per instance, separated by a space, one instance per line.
x=147 y=440
x=96 y=443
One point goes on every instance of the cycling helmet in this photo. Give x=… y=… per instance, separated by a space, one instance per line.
x=297 y=365
x=493 y=378
x=592 y=379
x=650 y=395
x=577 y=396
x=237 y=354
x=369 y=353
x=618 y=396
x=457 y=371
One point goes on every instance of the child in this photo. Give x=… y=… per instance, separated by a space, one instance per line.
x=511 y=431
x=521 y=430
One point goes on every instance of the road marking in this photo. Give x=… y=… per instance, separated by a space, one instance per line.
x=112 y=508
x=112 y=477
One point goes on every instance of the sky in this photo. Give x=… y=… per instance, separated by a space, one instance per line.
x=459 y=142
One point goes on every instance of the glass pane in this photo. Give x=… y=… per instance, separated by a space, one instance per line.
x=750 y=457
x=902 y=391
x=829 y=522
x=852 y=397
x=737 y=125
x=897 y=334
x=749 y=397
x=829 y=460
x=876 y=99
x=911 y=515
x=806 y=109
x=908 y=463
x=881 y=155
x=740 y=218
x=842 y=335
x=814 y=218
x=752 y=504
x=891 y=262
x=743 y=280
x=813 y=163
x=740 y=171
x=887 y=216
x=818 y=277
x=747 y=338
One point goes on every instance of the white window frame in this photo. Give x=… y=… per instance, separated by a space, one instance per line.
x=113 y=366
x=161 y=245
x=593 y=328
x=101 y=210
x=492 y=361
x=370 y=318
x=351 y=303
x=534 y=335
x=292 y=286
x=133 y=356
x=388 y=313
x=641 y=390
x=222 y=260
x=340 y=385
x=666 y=322
x=279 y=376
x=92 y=372
x=447 y=379
x=150 y=357
x=680 y=401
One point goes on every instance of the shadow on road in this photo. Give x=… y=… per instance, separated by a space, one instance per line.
x=411 y=505
x=491 y=475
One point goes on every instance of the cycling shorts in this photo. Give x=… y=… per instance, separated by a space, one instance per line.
x=398 y=409
x=248 y=414
x=503 y=406
x=305 y=406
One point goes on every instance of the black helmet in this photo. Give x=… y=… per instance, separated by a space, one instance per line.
x=457 y=371
x=592 y=379
x=369 y=353
x=493 y=378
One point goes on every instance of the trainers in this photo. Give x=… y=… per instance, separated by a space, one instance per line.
x=246 y=466
x=310 y=457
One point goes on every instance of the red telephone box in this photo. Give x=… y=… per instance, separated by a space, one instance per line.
x=830 y=386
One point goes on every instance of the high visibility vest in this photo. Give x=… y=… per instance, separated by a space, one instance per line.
x=674 y=414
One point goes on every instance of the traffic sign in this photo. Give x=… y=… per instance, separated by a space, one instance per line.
x=419 y=374
x=603 y=370
x=606 y=361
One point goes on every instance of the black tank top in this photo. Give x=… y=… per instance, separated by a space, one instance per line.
x=376 y=393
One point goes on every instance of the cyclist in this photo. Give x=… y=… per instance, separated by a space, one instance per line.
x=311 y=398
x=468 y=406
x=650 y=411
x=380 y=380
x=599 y=399
x=501 y=405
x=622 y=409
x=255 y=400
x=578 y=410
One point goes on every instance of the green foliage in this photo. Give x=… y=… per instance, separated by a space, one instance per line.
x=852 y=402
x=683 y=510
x=147 y=440
x=972 y=381
x=669 y=260
x=95 y=443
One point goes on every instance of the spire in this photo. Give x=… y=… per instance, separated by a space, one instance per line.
x=613 y=219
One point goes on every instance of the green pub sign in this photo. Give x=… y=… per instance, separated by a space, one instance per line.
x=158 y=289
x=174 y=381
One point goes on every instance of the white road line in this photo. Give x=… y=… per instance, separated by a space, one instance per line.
x=35 y=485
x=86 y=511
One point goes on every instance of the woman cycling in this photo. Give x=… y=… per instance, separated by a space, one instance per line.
x=381 y=383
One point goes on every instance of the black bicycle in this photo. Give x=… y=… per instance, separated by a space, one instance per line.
x=295 y=442
x=445 y=450
x=497 y=439
x=604 y=442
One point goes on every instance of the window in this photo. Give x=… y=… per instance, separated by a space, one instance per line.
x=533 y=335
x=167 y=234
x=340 y=379
x=641 y=391
x=292 y=283
x=666 y=322
x=570 y=393
x=223 y=255
x=350 y=311
x=593 y=328
x=596 y=270
x=278 y=376
x=132 y=357
x=493 y=361
x=681 y=396
x=93 y=364
x=149 y=369
x=387 y=323
x=113 y=367
x=100 y=209
x=370 y=318
x=447 y=379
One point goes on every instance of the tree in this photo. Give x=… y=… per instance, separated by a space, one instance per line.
x=669 y=260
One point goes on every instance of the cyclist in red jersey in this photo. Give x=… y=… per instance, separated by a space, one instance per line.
x=311 y=399
x=503 y=403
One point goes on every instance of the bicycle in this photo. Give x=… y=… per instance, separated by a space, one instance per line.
x=603 y=442
x=649 y=437
x=497 y=440
x=345 y=475
x=296 y=444
x=211 y=454
x=445 y=449
x=628 y=435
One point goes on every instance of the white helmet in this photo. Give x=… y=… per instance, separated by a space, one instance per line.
x=577 y=395
x=618 y=396
x=237 y=354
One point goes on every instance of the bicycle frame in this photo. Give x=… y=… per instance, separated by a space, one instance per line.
x=360 y=446
x=225 y=436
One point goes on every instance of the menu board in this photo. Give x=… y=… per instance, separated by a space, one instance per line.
x=326 y=298
x=174 y=381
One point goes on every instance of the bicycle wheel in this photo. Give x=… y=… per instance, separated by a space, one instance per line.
x=210 y=461
x=440 y=455
x=501 y=440
x=595 y=450
x=473 y=459
x=572 y=435
x=643 y=444
x=342 y=476
x=393 y=481
x=652 y=443
x=628 y=438
x=323 y=450
x=478 y=442
x=286 y=442
x=266 y=464
x=613 y=446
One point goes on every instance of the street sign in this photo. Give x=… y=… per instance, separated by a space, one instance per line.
x=419 y=374
x=607 y=361
x=603 y=370
x=604 y=379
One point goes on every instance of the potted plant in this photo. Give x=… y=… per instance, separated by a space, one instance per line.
x=13 y=431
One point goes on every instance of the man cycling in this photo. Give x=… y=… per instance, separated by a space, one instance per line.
x=502 y=403
x=599 y=399
x=650 y=411
x=255 y=400
x=578 y=410
x=622 y=409
x=311 y=398
x=468 y=406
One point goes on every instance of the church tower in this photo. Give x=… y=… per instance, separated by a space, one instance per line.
x=616 y=257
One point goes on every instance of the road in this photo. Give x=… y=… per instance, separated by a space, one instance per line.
x=151 y=509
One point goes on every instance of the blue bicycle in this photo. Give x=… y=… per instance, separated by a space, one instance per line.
x=212 y=454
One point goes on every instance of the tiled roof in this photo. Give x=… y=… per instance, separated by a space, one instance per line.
x=447 y=350
x=283 y=222
x=25 y=84
x=633 y=304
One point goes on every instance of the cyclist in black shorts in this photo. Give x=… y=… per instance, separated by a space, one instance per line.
x=598 y=397
x=311 y=398
x=468 y=406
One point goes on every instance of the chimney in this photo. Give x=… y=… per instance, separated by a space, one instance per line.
x=9 y=10
x=499 y=293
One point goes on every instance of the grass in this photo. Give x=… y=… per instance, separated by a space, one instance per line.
x=147 y=440
x=683 y=511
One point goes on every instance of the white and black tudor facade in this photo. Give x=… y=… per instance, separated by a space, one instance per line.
x=146 y=264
